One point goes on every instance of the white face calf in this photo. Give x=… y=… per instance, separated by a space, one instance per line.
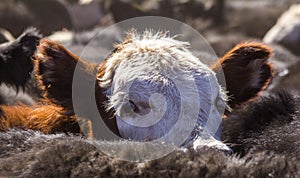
x=160 y=90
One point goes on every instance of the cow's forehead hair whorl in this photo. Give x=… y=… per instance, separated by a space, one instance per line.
x=146 y=39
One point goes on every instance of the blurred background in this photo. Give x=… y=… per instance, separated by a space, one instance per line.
x=224 y=23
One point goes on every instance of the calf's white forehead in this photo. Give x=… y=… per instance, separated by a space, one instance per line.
x=146 y=53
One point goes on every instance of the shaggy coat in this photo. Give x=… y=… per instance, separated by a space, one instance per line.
x=15 y=58
x=269 y=150
x=16 y=66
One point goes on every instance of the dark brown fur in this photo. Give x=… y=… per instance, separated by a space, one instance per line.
x=269 y=123
x=15 y=58
x=246 y=70
x=16 y=67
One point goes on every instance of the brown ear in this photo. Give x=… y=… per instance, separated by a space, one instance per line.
x=246 y=70
x=55 y=67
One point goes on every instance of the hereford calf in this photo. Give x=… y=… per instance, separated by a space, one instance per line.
x=150 y=87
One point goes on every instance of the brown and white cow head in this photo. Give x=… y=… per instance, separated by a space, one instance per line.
x=154 y=82
x=152 y=87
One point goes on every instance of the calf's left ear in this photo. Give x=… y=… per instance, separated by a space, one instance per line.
x=54 y=67
x=246 y=70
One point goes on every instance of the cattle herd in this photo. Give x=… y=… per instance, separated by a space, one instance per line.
x=41 y=132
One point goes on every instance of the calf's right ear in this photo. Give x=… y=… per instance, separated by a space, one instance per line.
x=246 y=70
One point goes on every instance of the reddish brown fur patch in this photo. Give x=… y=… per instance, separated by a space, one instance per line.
x=55 y=68
x=45 y=118
x=246 y=70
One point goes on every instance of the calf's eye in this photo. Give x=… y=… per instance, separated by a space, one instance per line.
x=133 y=106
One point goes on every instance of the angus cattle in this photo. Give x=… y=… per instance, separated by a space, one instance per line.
x=15 y=58
x=271 y=124
x=16 y=64
x=141 y=66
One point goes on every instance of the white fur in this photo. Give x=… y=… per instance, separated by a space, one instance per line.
x=154 y=63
